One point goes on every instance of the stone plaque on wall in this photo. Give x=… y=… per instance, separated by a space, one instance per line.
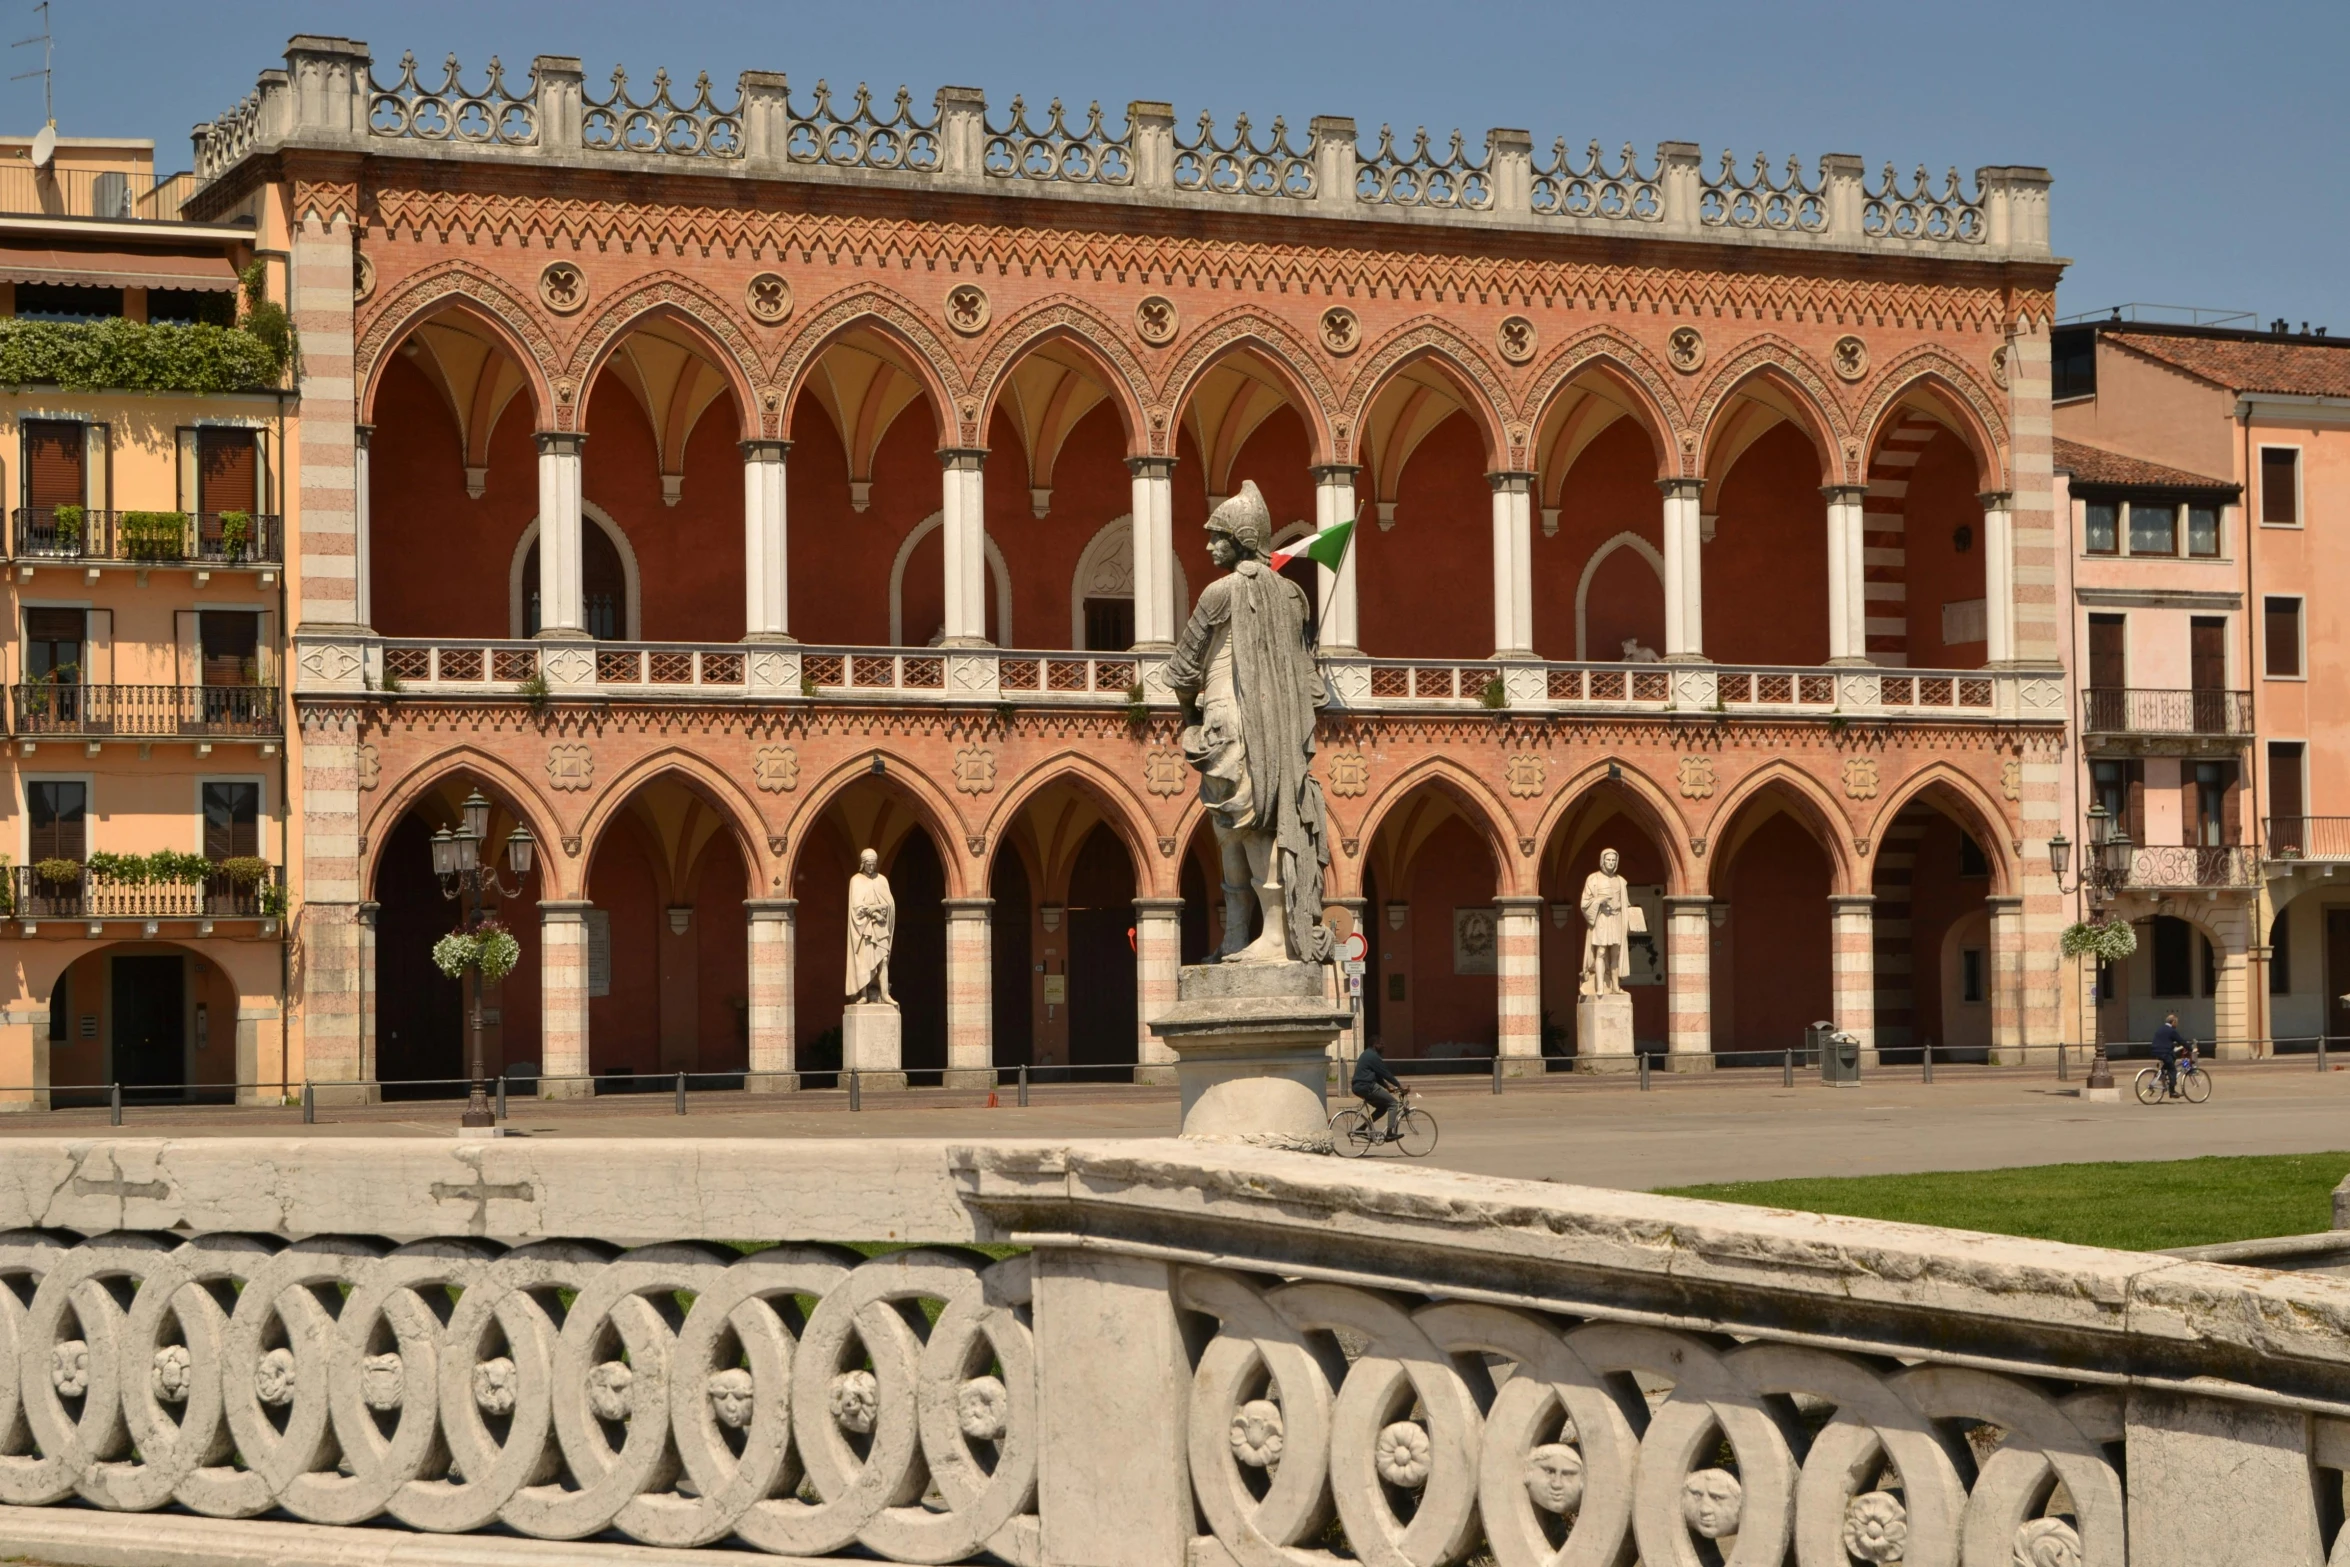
x=1474 y=943
x=1644 y=951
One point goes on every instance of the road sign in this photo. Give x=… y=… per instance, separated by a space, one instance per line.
x=1356 y=966
x=1355 y=949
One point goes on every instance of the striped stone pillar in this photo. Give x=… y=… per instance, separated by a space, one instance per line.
x=970 y=994
x=1852 y=963
x=2007 y=979
x=1689 y=985
x=774 y=1032
x=1518 y=946
x=563 y=999
x=1158 y=956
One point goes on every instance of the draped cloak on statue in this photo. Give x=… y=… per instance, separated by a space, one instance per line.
x=873 y=927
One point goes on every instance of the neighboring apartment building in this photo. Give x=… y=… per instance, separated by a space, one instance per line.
x=2203 y=467
x=144 y=798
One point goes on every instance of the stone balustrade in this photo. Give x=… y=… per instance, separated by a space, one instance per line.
x=329 y=96
x=1136 y=1354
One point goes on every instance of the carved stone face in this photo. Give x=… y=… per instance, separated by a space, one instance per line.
x=1554 y=1477
x=980 y=1407
x=608 y=1390
x=1223 y=551
x=856 y=1402
x=494 y=1384
x=868 y=863
x=730 y=1397
x=383 y=1381
x=1711 y=1500
x=1608 y=861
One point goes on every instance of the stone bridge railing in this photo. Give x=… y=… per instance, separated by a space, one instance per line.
x=1168 y=1354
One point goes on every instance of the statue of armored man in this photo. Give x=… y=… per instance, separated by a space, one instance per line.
x=1250 y=687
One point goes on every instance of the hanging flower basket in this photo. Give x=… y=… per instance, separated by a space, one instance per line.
x=2109 y=941
x=490 y=951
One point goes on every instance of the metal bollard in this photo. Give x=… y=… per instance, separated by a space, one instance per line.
x=1787 y=1069
x=2321 y=1052
x=1644 y=1071
x=1929 y=1057
x=1497 y=1075
x=2064 y=1063
x=309 y=1104
x=501 y=1096
x=681 y=1093
x=856 y=1099
x=114 y=1103
x=1023 y=1085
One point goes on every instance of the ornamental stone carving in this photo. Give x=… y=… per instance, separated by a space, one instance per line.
x=273 y=1378
x=1402 y=1455
x=1257 y=1433
x=609 y=1390
x=1697 y=777
x=968 y=310
x=1517 y=339
x=1350 y=774
x=1876 y=1527
x=1711 y=1502
x=1341 y=330
x=1860 y=777
x=383 y=1381
x=2047 y=1542
x=362 y=275
x=775 y=768
x=1524 y=772
x=495 y=1384
x=1850 y=358
x=562 y=287
x=975 y=770
x=570 y=767
x=731 y=1398
x=2011 y=779
x=1999 y=367
x=767 y=297
x=69 y=1368
x=172 y=1374
x=368 y=764
x=1554 y=1478
x=1156 y=320
x=1686 y=349
x=855 y=1402
x=1164 y=772
x=982 y=1407
x=331 y=663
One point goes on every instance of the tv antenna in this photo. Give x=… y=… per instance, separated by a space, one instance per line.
x=44 y=144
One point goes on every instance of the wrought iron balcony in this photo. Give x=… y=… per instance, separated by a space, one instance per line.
x=146 y=712
x=223 y=539
x=2308 y=837
x=2129 y=710
x=2161 y=866
x=85 y=896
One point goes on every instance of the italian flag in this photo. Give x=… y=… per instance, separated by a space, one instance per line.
x=1326 y=548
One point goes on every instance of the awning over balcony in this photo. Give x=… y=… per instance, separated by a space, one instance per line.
x=105 y=267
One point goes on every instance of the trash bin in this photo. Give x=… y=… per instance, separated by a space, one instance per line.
x=1839 y=1056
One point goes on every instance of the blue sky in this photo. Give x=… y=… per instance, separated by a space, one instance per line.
x=2198 y=150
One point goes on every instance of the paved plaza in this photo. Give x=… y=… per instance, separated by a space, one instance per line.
x=1730 y=1126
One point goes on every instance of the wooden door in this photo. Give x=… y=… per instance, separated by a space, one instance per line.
x=2107 y=671
x=2207 y=672
x=150 y=1046
x=2337 y=973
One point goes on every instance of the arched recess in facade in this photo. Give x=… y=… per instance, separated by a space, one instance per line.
x=1430 y=441
x=2192 y=960
x=1769 y=444
x=1930 y=460
x=1776 y=858
x=912 y=829
x=1940 y=855
x=167 y=1022
x=1609 y=804
x=419 y=1031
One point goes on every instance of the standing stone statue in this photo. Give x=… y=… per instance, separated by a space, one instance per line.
x=873 y=929
x=1250 y=687
x=1608 y=915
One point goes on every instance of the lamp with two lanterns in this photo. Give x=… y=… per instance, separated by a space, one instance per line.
x=2105 y=869
x=465 y=876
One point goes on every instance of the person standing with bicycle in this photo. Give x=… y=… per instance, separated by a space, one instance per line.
x=1372 y=1083
x=2166 y=1052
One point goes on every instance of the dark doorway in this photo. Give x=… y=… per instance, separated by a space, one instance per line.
x=1102 y=1002
x=2337 y=972
x=150 y=1015
x=2207 y=672
x=419 y=1011
x=603 y=585
x=918 y=961
x=1010 y=948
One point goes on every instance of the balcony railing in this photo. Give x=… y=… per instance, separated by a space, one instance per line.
x=89 y=897
x=2155 y=866
x=2129 y=710
x=732 y=670
x=2308 y=837
x=146 y=712
x=148 y=538
x=93 y=193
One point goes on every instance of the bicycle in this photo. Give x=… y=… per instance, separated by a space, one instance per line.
x=2190 y=1081
x=1359 y=1128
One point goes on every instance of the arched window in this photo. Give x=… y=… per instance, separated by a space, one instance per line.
x=604 y=579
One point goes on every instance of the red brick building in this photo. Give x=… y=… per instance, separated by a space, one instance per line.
x=725 y=483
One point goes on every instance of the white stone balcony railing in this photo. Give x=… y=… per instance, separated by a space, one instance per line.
x=1170 y=1354
x=329 y=97
x=668 y=671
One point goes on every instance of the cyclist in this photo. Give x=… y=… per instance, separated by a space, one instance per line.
x=2166 y=1051
x=1372 y=1083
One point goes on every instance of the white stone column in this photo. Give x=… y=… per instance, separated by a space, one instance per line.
x=1513 y=567
x=1848 y=638
x=1684 y=570
x=1852 y=962
x=970 y=994
x=774 y=941
x=562 y=587
x=1156 y=614
x=1158 y=958
x=963 y=530
x=563 y=999
x=1689 y=984
x=766 y=562
x=1517 y=940
x=369 y=913
x=1999 y=577
x=2007 y=977
x=1334 y=503
x=363 y=574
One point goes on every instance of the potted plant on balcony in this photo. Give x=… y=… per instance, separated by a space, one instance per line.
x=57 y=875
x=236 y=531
x=242 y=873
x=154 y=535
x=66 y=523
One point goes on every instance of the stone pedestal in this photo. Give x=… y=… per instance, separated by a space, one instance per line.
x=1252 y=1044
x=872 y=1043
x=1603 y=1034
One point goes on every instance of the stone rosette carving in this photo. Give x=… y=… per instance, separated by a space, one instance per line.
x=1697 y=777
x=1258 y=1433
x=562 y=287
x=171 y=1375
x=1524 y=772
x=1156 y=320
x=570 y=767
x=1403 y=1455
x=968 y=310
x=1876 y=1527
x=1685 y=349
x=1164 y=772
x=1517 y=339
x=2046 y=1542
x=1349 y=774
x=362 y=275
x=1849 y=358
x=975 y=770
x=767 y=296
x=775 y=768
x=1341 y=330
x=1860 y=777
x=1999 y=367
x=273 y=1377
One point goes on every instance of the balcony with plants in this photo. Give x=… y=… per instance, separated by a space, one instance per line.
x=206 y=540
x=144 y=712
x=162 y=885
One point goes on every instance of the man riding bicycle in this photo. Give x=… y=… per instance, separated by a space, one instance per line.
x=2166 y=1051
x=1371 y=1084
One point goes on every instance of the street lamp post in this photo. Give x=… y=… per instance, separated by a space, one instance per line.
x=2105 y=869
x=466 y=877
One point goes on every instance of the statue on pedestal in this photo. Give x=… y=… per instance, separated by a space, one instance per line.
x=1611 y=918
x=1250 y=686
x=873 y=928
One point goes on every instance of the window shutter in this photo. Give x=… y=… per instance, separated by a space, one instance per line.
x=265 y=650
x=98 y=657
x=99 y=465
x=55 y=454
x=189 y=669
x=189 y=482
x=229 y=477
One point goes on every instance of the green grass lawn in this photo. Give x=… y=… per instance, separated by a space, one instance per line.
x=2134 y=1207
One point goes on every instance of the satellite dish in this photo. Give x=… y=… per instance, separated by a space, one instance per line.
x=45 y=146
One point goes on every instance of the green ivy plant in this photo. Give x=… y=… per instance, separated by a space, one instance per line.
x=153 y=535
x=137 y=356
x=163 y=868
x=236 y=531
x=1495 y=694
x=58 y=873
x=533 y=690
x=68 y=521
